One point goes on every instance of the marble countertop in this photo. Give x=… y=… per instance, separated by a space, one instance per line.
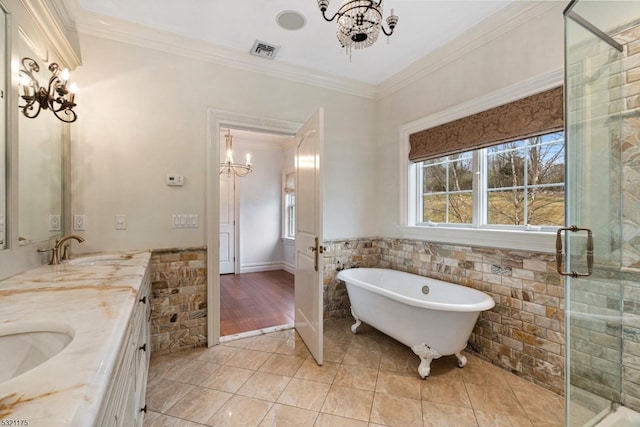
x=93 y=302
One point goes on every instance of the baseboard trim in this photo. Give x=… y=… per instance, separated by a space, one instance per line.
x=289 y=268
x=262 y=266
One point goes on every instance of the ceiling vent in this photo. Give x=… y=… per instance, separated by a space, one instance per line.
x=264 y=49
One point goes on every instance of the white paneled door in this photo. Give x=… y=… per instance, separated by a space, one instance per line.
x=227 y=224
x=309 y=244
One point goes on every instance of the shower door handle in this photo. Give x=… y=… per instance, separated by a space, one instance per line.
x=559 y=254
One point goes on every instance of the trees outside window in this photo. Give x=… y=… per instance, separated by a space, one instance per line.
x=447 y=189
x=522 y=185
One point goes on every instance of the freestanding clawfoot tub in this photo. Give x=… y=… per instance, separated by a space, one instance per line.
x=432 y=317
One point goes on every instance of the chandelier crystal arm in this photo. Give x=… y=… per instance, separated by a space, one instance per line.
x=323 y=5
x=392 y=21
x=359 y=22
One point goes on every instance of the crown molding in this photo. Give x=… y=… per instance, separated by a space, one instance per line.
x=506 y=20
x=75 y=18
x=90 y=23
x=47 y=20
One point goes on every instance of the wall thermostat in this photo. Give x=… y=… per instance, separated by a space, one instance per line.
x=175 y=180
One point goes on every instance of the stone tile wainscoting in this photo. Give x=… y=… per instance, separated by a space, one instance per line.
x=179 y=299
x=341 y=254
x=523 y=333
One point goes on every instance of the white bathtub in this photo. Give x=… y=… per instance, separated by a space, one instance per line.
x=432 y=317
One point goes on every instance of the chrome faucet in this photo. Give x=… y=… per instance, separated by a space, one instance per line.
x=55 y=251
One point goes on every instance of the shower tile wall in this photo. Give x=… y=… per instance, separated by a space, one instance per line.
x=595 y=332
x=523 y=333
x=605 y=356
x=630 y=153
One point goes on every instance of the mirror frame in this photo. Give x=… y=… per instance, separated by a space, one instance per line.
x=42 y=26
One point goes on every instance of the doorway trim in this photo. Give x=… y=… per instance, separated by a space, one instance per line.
x=236 y=224
x=217 y=119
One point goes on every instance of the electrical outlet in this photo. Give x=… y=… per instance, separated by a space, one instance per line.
x=121 y=222
x=54 y=223
x=79 y=222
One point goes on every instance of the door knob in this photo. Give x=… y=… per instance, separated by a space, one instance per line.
x=317 y=249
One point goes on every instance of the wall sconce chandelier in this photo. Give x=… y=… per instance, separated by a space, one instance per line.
x=55 y=97
x=359 y=22
x=228 y=166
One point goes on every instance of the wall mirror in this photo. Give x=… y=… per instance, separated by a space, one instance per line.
x=39 y=164
x=3 y=129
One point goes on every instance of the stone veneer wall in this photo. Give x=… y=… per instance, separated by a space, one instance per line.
x=342 y=254
x=179 y=299
x=523 y=333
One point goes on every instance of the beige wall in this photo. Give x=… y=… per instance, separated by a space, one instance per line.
x=142 y=114
x=488 y=58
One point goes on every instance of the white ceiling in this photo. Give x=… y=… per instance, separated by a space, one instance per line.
x=423 y=26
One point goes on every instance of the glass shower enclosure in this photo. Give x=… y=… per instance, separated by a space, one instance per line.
x=602 y=238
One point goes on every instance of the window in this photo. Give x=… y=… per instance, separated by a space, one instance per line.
x=288 y=204
x=447 y=185
x=525 y=182
x=519 y=184
x=290 y=215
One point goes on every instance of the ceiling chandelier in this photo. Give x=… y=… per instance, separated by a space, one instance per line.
x=56 y=97
x=359 y=22
x=228 y=166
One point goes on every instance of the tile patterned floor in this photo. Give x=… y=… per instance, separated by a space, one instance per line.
x=367 y=379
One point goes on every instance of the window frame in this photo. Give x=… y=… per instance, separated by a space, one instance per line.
x=542 y=241
x=420 y=200
x=481 y=191
x=288 y=221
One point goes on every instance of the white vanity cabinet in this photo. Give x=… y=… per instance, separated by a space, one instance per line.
x=124 y=403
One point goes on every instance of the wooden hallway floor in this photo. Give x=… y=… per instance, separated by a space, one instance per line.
x=253 y=301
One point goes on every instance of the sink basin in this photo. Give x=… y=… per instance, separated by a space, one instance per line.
x=26 y=346
x=105 y=259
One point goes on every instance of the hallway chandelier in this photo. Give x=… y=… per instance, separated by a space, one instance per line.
x=228 y=166
x=55 y=97
x=359 y=22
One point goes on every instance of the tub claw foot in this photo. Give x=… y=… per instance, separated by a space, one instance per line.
x=462 y=360
x=355 y=326
x=426 y=355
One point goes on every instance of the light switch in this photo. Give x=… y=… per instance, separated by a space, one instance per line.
x=184 y=221
x=121 y=222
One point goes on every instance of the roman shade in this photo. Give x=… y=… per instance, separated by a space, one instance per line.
x=532 y=116
x=290 y=182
